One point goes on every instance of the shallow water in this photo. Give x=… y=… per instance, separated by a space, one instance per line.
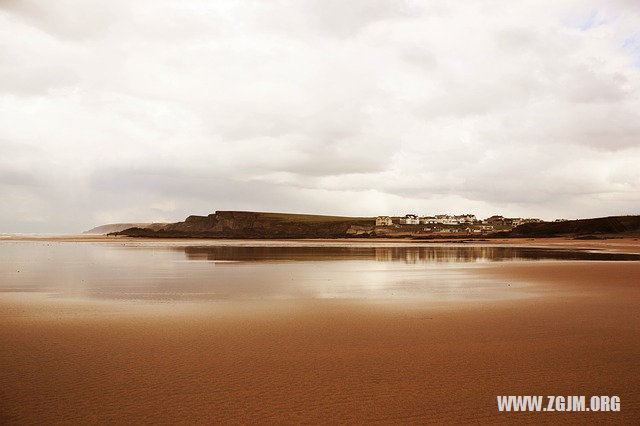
x=250 y=270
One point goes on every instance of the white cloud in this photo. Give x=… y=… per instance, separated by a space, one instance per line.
x=135 y=111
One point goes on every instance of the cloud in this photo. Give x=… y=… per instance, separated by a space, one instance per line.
x=153 y=110
x=67 y=18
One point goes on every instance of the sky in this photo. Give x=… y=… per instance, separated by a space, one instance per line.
x=143 y=111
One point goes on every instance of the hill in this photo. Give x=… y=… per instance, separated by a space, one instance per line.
x=601 y=226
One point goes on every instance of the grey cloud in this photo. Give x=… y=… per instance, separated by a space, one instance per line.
x=18 y=178
x=67 y=18
x=36 y=81
x=583 y=85
x=339 y=18
x=517 y=40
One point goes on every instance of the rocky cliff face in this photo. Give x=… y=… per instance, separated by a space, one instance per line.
x=234 y=224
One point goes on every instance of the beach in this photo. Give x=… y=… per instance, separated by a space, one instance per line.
x=577 y=332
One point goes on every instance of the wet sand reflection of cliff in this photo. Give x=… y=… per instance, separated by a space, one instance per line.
x=412 y=255
x=242 y=270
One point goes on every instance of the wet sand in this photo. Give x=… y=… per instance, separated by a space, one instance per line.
x=618 y=244
x=326 y=361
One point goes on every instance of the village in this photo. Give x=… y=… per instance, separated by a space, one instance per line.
x=448 y=224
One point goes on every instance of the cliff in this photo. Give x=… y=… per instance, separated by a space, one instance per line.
x=236 y=224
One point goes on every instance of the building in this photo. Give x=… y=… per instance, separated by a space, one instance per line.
x=446 y=219
x=410 y=219
x=466 y=218
x=519 y=221
x=450 y=221
x=383 y=221
x=495 y=220
x=428 y=220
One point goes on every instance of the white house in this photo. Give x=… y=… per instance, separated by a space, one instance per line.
x=445 y=219
x=383 y=221
x=410 y=219
x=466 y=218
x=427 y=220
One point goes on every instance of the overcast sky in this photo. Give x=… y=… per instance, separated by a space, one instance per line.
x=120 y=111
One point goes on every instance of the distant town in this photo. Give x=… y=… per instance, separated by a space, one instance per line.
x=448 y=224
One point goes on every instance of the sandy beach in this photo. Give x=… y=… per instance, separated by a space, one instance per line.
x=327 y=361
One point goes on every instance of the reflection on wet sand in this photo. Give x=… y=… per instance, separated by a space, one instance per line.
x=429 y=254
x=170 y=272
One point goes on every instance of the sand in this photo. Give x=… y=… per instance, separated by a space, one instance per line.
x=329 y=361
